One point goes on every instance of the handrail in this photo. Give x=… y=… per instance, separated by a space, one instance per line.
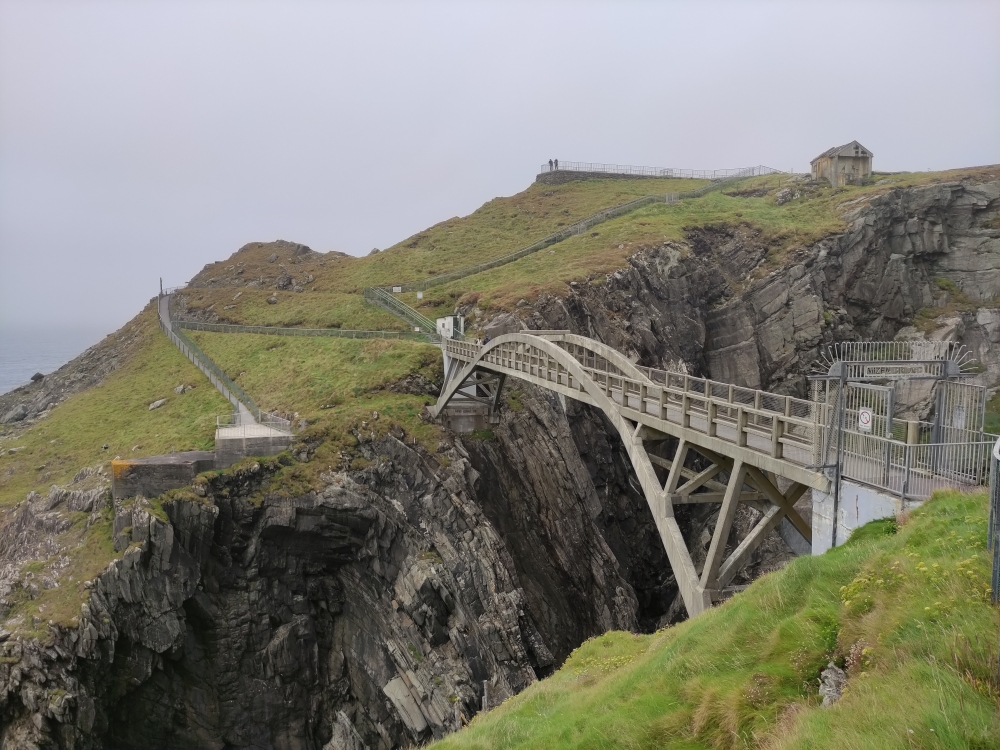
x=383 y=295
x=628 y=169
x=401 y=310
x=195 y=325
x=208 y=364
x=229 y=389
x=775 y=426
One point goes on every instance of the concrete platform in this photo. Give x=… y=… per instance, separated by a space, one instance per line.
x=153 y=475
x=235 y=443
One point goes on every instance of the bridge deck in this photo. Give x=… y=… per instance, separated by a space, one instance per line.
x=775 y=433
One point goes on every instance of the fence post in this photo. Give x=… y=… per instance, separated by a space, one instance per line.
x=993 y=527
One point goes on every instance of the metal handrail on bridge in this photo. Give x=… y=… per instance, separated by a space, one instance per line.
x=778 y=427
x=771 y=425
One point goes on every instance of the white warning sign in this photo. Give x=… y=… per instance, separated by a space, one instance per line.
x=865 y=420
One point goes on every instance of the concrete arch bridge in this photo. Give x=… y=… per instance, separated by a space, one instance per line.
x=752 y=441
x=749 y=438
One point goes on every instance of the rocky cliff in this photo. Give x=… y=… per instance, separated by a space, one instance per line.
x=375 y=613
x=383 y=608
x=922 y=261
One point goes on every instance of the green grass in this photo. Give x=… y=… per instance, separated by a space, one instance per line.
x=308 y=376
x=89 y=549
x=506 y=224
x=333 y=299
x=337 y=385
x=295 y=310
x=501 y=226
x=907 y=613
x=604 y=249
x=115 y=413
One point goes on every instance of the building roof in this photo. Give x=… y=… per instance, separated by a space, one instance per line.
x=840 y=149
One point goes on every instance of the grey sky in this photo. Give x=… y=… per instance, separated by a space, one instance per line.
x=145 y=139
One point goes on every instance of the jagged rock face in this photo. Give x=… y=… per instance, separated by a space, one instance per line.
x=685 y=303
x=367 y=614
x=537 y=493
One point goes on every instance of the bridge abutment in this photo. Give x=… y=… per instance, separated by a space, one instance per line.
x=858 y=505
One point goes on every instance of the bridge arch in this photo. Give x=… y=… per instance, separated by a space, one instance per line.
x=539 y=359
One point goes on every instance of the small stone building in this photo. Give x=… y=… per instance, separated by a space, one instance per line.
x=843 y=165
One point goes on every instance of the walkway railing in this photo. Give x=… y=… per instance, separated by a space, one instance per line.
x=628 y=169
x=766 y=424
x=769 y=424
x=386 y=300
x=222 y=382
x=193 y=325
x=916 y=471
x=993 y=526
x=264 y=419
x=563 y=234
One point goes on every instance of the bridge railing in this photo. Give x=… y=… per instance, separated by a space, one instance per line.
x=916 y=470
x=779 y=426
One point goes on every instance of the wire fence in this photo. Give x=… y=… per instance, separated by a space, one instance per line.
x=232 y=392
x=193 y=325
x=916 y=471
x=264 y=420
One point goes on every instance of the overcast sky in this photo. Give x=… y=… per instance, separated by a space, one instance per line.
x=146 y=139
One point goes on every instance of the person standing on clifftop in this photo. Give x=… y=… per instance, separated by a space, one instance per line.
x=557 y=164
x=550 y=165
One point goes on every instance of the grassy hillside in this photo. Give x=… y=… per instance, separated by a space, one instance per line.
x=115 y=413
x=306 y=309
x=336 y=385
x=904 y=609
x=332 y=297
x=340 y=385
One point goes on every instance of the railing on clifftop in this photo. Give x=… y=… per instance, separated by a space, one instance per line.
x=634 y=171
x=342 y=333
x=232 y=392
x=383 y=296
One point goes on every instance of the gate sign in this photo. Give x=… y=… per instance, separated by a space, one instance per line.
x=865 y=420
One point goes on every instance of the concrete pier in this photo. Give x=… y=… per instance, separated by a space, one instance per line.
x=858 y=505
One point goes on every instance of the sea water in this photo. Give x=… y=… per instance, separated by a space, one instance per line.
x=25 y=352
